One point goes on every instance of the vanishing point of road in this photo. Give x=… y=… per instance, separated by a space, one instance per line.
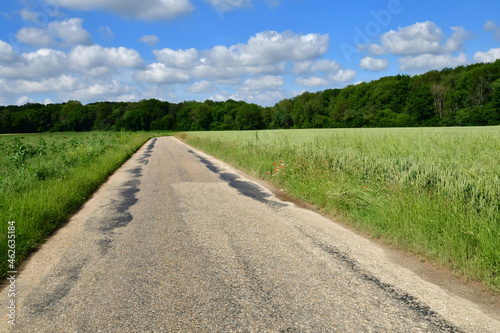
x=177 y=241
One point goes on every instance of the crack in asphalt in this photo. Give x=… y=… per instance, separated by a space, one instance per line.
x=409 y=301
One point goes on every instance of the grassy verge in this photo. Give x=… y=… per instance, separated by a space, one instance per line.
x=434 y=192
x=44 y=178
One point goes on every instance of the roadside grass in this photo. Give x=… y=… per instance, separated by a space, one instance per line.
x=44 y=178
x=431 y=191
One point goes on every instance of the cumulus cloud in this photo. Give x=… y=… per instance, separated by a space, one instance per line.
x=420 y=47
x=321 y=73
x=63 y=33
x=95 y=56
x=69 y=74
x=263 y=83
x=344 y=75
x=23 y=100
x=150 y=10
x=322 y=65
x=270 y=47
x=419 y=38
x=7 y=54
x=253 y=71
x=201 y=87
x=177 y=59
x=489 y=56
x=42 y=63
x=425 y=62
x=266 y=53
x=108 y=91
x=159 y=73
x=374 y=64
x=61 y=83
x=313 y=81
x=150 y=40
x=260 y=97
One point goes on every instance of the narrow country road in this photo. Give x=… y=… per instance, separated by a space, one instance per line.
x=177 y=241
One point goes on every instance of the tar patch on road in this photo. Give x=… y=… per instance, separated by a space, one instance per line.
x=410 y=302
x=245 y=188
x=53 y=289
x=121 y=216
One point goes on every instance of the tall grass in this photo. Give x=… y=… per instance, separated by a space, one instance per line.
x=432 y=191
x=44 y=178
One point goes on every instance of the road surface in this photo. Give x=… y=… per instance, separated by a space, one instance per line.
x=177 y=241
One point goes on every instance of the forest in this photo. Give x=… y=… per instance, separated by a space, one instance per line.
x=463 y=96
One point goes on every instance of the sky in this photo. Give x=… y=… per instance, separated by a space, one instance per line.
x=258 y=51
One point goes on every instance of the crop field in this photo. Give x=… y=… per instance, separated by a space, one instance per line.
x=432 y=191
x=44 y=178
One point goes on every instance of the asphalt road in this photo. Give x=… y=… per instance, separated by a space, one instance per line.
x=177 y=241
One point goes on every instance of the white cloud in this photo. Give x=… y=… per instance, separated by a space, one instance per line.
x=344 y=75
x=57 y=84
x=23 y=100
x=270 y=47
x=64 y=33
x=75 y=74
x=42 y=63
x=35 y=37
x=264 y=98
x=227 y=5
x=491 y=26
x=7 y=54
x=126 y=98
x=150 y=10
x=150 y=40
x=266 y=82
x=419 y=38
x=100 y=91
x=374 y=64
x=266 y=53
x=489 y=56
x=321 y=73
x=313 y=81
x=159 y=73
x=201 y=87
x=96 y=56
x=177 y=59
x=426 y=62
x=322 y=65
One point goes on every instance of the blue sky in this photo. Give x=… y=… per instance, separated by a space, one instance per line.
x=259 y=51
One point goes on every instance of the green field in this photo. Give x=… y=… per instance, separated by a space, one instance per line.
x=431 y=191
x=44 y=178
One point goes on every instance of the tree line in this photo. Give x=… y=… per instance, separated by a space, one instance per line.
x=463 y=96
